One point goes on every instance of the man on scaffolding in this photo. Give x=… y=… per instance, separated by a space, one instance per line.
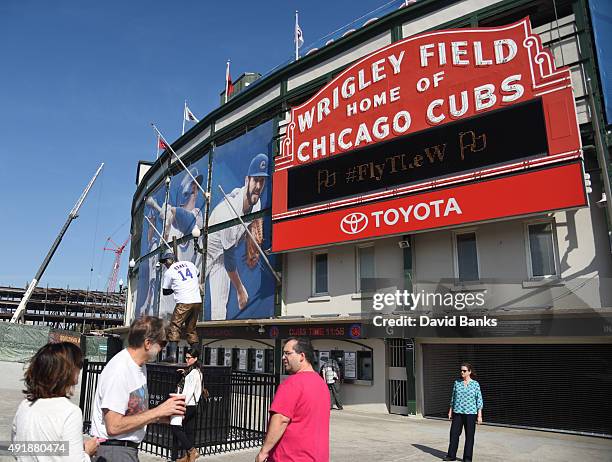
x=181 y=279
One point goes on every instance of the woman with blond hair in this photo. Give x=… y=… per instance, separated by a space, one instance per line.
x=47 y=415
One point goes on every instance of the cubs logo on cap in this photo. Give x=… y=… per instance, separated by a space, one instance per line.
x=259 y=166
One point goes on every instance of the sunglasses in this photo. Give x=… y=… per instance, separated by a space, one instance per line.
x=464 y=370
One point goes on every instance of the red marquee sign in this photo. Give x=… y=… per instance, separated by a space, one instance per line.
x=421 y=114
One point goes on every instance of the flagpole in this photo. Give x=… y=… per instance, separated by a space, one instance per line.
x=295 y=36
x=184 y=117
x=227 y=70
x=169 y=148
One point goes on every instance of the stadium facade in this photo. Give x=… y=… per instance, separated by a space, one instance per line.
x=404 y=166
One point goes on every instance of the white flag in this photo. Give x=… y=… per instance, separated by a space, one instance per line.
x=189 y=115
x=299 y=36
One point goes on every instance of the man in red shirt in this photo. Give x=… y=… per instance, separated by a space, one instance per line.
x=298 y=430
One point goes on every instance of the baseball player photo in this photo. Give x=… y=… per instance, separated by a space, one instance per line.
x=223 y=255
x=147 y=270
x=185 y=214
x=185 y=211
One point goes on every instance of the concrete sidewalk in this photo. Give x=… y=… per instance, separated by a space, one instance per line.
x=358 y=436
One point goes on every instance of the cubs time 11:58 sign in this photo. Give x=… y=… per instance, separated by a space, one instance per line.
x=439 y=129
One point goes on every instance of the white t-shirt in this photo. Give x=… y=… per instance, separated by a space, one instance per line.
x=193 y=387
x=50 y=419
x=183 y=278
x=330 y=374
x=122 y=388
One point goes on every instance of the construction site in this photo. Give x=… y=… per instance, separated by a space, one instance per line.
x=66 y=309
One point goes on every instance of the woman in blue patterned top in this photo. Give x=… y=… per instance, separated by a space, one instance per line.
x=465 y=411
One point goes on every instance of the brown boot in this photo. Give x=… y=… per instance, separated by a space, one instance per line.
x=186 y=457
x=193 y=454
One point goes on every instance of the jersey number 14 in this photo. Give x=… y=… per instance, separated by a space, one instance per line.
x=187 y=274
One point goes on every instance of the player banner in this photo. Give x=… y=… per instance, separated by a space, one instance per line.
x=242 y=168
x=185 y=210
x=238 y=286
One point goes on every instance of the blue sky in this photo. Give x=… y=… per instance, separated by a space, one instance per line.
x=80 y=83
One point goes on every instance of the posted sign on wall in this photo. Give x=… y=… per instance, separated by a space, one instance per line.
x=417 y=134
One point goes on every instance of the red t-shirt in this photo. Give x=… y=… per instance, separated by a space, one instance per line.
x=304 y=398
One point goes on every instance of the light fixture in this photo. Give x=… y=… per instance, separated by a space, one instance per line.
x=196 y=233
x=132 y=263
x=261 y=329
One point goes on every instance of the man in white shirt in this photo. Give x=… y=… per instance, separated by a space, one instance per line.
x=331 y=374
x=221 y=258
x=121 y=403
x=182 y=278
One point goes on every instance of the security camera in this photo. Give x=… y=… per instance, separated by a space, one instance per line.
x=403 y=244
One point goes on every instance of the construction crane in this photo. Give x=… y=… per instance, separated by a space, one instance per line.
x=118 y=250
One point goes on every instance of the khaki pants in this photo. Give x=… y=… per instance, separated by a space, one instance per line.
x=187 y=314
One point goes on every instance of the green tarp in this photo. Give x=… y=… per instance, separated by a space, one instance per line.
x=19 y=342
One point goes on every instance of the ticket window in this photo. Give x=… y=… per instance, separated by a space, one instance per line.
x=251 y=359
x=315 y=364
x=321 y=357
x=235 y=358
x=364 y=365
x=220 y=356
x=269 y=357
x=206 y=358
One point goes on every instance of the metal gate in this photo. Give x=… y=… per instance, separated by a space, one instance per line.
x=233 y=417
x=563 y=387
x=401 y=393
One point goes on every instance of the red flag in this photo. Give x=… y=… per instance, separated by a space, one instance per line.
x=161 y=144
x=229 y=86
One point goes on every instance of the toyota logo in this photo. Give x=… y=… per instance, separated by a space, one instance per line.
x=354 y=223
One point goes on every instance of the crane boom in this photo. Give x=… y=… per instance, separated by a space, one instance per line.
x=118 y=250
x=74 y=213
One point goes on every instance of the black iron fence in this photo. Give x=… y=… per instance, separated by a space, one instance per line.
x=89 y=382
x=233 y=417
